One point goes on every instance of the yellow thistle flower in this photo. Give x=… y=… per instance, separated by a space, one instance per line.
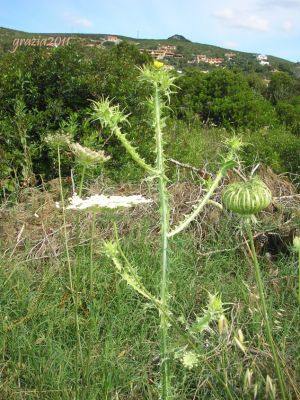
x=158 y=64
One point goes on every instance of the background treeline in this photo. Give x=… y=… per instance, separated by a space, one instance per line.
x=46 y=90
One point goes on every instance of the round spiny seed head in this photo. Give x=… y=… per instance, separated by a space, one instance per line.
x=247 y=198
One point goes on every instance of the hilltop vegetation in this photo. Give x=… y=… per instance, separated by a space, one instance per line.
x=189 y=50
x=45 y=89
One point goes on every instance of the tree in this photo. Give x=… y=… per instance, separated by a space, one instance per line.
x=280 y=87
x=224 y=98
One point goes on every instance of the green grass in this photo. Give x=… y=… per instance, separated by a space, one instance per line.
x=119 y=331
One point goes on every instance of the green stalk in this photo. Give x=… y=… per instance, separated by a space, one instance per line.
x=76 y=269
x=78 y=344
x=81 y=180
x=88 y=363
x=164 y=212
x=91 y=253
x=265 y=313
x=200 y=206
x=299 y=276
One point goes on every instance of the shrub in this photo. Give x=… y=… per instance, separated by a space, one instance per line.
x=277 y=148
x=223 y=98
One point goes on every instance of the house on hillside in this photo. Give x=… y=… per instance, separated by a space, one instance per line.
x=201 y=58
x=230 y=56
x=162 y=53
x=209 y=60
x=168 y=48
x=215 y=61
x=264 y=62
x=113 y=39
x=262 y=59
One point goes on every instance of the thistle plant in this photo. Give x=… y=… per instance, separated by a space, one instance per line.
x=247 y=199
x=161 y=84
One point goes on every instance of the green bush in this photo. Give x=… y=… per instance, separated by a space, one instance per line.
x=223 y=98
x=198 y=145
x=289 y=113
x=277 y=148
x=53 y=85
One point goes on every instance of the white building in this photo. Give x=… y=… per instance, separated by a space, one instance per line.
x=262 y=57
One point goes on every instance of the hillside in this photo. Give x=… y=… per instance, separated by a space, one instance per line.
x=176 y=51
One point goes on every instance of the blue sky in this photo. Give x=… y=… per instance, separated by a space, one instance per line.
x=259 y=26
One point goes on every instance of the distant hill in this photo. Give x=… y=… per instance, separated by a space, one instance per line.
x=180 y=52
x=178 y=37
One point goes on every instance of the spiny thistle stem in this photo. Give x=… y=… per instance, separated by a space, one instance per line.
x=164 y=211
x=78 y=344
x=226 y=165
x=200 y=206
x=265 y=312
x=134 y=154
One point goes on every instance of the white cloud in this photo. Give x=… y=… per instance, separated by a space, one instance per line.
x=243 y=20
x=225 y=13
x=78 y=20
x=287 y=26
x=253 y=22
x=287 y=4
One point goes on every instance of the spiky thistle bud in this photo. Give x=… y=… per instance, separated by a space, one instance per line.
x=109 y=115
x=189 y=359
x=247 y=198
